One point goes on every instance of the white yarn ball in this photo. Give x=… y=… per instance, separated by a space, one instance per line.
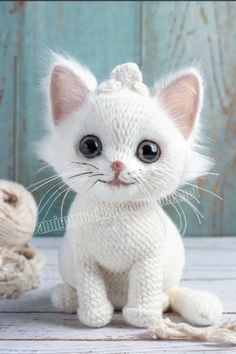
x=18 y=214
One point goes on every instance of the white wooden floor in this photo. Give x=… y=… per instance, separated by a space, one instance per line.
x=31 y=325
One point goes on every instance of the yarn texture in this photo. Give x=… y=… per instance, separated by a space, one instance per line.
x=20 y=262
x=129 y=255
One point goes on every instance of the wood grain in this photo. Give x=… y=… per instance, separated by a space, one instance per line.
x=31 y=325
x=8 y=90
x=180 y=34
x=99 y=34
x=111 y=347
x=58 y=326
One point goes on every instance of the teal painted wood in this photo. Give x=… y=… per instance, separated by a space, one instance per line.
x=8 y=52
x=100 y=34
x=178 y=34
x=160 y=36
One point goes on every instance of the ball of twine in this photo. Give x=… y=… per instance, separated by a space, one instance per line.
x=18 y=214
x=20 y=263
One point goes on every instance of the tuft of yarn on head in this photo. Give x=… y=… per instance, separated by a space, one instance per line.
x=126 y=75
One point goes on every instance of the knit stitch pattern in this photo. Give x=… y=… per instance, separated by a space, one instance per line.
x=133 y=258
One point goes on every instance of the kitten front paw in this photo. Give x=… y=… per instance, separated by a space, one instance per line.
x=140 y=316
x=64 y=298
x=96 y=317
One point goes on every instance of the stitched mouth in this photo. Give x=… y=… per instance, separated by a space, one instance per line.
x=116 y=182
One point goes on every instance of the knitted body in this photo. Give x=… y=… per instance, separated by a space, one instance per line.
x=140 y=273
x=123 y=149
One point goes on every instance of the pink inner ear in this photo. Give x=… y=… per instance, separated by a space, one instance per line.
x=67 y=92
x=181 y=100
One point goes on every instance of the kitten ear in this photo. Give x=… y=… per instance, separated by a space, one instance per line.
x=181 y=97
x=69 y=85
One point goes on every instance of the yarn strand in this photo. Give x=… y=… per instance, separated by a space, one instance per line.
x=224 y=333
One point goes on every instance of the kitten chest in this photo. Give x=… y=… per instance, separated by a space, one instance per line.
x=117 y=242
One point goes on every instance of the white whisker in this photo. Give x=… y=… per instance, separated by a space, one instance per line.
x=63 y=201
x=50 y=198
x=185 y=219
x=179 y=216
x=189 y=193
x=54 y=202
x=196 y=211
x=204 y=190
x=42 y=168
x=48 y=179
x=40 y=202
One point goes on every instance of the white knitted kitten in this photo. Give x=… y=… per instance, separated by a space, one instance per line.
x=120 y=146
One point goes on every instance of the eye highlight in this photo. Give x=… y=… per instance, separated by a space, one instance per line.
x=90 y=146
x=148 y=151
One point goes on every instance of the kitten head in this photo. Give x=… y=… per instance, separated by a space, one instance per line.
x=119 y=140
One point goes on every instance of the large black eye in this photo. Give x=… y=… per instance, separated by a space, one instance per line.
x=90 y=146
x=148 y=151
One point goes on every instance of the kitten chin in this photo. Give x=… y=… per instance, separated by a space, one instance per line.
x=113 y=194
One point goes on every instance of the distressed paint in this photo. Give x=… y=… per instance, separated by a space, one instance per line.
x=8 y=57
x=100 y=34
x=160 y=36
x=178 y=34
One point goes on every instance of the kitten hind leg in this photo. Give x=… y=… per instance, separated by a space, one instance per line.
x=195 y=306
x=64 y=297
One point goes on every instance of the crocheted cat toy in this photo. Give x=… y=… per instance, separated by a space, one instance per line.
x=123 y=148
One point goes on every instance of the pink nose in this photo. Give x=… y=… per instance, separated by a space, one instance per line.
x=117 y=165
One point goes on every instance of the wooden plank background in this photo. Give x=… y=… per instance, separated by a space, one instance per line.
x=159 y=36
